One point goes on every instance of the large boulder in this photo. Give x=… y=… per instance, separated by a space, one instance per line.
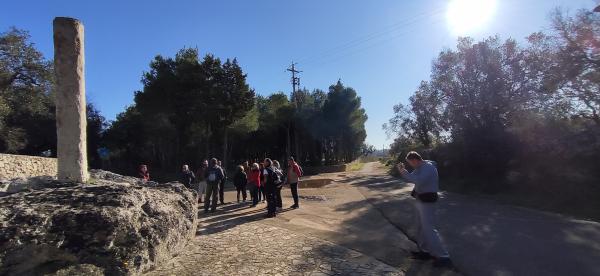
x=120 y=227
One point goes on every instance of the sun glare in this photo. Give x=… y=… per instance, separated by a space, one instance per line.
x=468 y=16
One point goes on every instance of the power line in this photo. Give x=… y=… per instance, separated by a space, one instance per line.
x=334 y=58
x=366 y=38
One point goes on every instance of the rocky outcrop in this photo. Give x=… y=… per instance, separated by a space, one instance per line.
x=117 y=226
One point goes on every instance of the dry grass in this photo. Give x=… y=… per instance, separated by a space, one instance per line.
x=354 y=166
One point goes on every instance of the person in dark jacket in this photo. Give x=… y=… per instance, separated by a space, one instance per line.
x=186 y=177
x=239 y=181
x=270 y=186
x=214 y=176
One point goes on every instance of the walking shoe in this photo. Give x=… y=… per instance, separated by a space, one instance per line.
x=295 y=206
x=213 y=210
x=443 y=262
x=421 y=255
x=206 y=211
x=269 y=215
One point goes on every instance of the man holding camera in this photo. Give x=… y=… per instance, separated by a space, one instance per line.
x=425 y=177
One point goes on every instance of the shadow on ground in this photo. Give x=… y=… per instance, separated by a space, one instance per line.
x=483 y=237
x=231 y=215
x=486 y=238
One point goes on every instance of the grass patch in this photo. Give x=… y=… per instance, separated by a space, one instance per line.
x=354 y=166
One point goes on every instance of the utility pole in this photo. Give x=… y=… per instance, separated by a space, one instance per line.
x=295 y=88
x=295 y=81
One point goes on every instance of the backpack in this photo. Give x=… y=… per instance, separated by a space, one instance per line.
x=274 y=175
x=278 y=177
x=212 y=175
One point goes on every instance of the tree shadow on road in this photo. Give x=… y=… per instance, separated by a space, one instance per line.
x=385 y=242
x=485 y=237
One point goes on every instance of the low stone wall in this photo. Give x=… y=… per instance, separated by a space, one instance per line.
x=23 y=166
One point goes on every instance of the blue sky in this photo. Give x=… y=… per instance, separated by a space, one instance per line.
x=383 y=49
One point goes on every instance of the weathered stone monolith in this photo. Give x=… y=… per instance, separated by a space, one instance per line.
x=70 y=99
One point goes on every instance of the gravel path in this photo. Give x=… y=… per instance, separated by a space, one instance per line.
x=254 y=248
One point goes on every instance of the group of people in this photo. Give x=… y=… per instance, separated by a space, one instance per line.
x=266 y=180
x=263 y=180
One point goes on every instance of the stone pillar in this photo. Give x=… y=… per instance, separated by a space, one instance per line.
x=70 y=100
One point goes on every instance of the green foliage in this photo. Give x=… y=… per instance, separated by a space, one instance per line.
x=344 y=118
x=189 y=109
x=185 y=112
x=504 y=116
x=308 y=125
x=26 y=105
x=27 y=120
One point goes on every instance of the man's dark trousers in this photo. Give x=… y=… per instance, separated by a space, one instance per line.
x=294 y=188
x=270 y=195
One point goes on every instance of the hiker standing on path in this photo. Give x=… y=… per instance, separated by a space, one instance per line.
x=261 y=189
x=254 y=181
x=222 y=183
x=240 y=181
x=247 y=169
x=293 y=177
x=214 y=176
x=201 y=179
x=144 y=174
x=425 y=177
x=186 y=176
x=270 y=185
x=278 y=185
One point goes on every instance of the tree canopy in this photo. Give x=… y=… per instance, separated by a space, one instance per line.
x=193 y=108
x=27 y=119
x=499 y=113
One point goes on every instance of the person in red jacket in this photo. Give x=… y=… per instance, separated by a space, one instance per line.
x=144 y=174
x=254 y=183
x=293 y=177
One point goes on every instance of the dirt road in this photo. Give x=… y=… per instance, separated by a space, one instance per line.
x=486 y=238
x=371 y=214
